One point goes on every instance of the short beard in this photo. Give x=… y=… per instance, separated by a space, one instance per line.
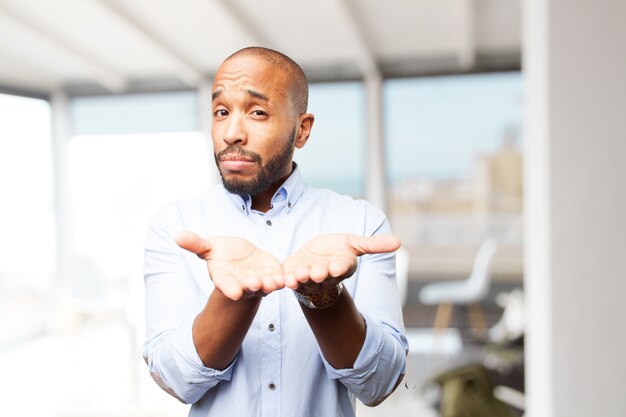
x=268 y=175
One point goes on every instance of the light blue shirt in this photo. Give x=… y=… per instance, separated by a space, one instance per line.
x=279 y=370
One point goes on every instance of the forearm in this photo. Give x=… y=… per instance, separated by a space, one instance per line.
x=219 y=329
x=339 y=329
x=379 y=366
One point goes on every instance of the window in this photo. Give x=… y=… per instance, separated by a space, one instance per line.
x=334 y=155
x=455 y=167
x=117 y=182
x=27 y=241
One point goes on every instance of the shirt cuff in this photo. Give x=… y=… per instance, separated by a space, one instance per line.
x=188 y=360
x=366 y=362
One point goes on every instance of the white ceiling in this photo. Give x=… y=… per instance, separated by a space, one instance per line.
x=120 y=45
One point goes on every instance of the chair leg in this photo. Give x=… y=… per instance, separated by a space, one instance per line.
x=442 y=318
x=477 y=319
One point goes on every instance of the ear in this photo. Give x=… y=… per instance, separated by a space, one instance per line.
x=304 y=129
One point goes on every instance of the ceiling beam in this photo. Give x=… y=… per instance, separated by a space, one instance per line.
x=365 y=56
x=182 y=69
x=98 y=71
x=22 y=70
x=243 y=22
x=22 y=92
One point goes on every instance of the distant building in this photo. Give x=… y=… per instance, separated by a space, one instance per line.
x=497 y=179
x=488 y=202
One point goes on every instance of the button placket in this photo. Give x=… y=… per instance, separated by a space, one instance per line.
x=271 y=355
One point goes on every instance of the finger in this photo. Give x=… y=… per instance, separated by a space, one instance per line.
x=269 y=285
x=373 y=244
x=193 y=243
x=228 y=285
x=290 y=280
x=319 y=272
x=341 y=266
x=253 y=283
x=302 y=273
x=279 y=279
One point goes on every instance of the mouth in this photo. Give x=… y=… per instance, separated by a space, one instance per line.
x=237 y=164
x=236 y=158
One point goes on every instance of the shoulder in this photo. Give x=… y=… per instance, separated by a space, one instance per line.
x=347 y=209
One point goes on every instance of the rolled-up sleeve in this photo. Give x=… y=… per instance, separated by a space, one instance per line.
x=173 y=300
x=378 y=367
x=381 y=362
x=176 y=367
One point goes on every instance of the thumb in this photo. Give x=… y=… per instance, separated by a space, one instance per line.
x=193 y=243
x=374 y=244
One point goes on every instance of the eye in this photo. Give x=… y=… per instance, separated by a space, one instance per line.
x=220 y=113
x=259 y=114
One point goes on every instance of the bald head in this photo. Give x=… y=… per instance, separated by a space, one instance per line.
x=298 y=85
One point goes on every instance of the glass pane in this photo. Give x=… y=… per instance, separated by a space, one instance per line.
x=134 y=113
x=26 y=190
x=455 y=171
x=118 y=182
x=334 y=155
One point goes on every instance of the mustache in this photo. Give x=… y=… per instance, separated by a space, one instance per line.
x=238 y=150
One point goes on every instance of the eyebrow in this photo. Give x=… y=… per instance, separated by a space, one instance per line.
x=253 y=93
x=258 y=95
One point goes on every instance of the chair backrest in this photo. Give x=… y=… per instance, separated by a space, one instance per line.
x=480 y=279
x=402 y=272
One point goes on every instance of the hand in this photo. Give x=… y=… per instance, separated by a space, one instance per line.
x=237 y=267
x=326 y=260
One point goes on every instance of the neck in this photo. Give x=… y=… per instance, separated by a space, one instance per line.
x=263 y=200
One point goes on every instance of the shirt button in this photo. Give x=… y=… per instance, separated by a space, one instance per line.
x=268 y=222
x=271 y=327
x=272 y=386
x=289 y=205
x=271 y=206
x=243 y=207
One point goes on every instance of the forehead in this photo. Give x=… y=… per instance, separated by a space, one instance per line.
x=244 y=73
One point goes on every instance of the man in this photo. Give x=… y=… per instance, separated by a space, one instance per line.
x=235 y=341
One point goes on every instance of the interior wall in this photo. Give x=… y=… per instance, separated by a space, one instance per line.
x=575 y=69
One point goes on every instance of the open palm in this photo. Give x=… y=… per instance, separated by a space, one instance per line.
x=237 y=267
x=331 y=258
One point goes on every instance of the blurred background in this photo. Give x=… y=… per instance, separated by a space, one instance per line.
x=490 y=131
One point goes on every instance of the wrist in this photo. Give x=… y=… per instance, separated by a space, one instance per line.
x=323 y=298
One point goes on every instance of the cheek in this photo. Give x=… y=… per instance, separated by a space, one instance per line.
x=266 y=137
x=215 y=134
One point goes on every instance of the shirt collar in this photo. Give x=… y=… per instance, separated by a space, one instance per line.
x=285 y=197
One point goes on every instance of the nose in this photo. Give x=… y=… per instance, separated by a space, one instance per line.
x=234 y=130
